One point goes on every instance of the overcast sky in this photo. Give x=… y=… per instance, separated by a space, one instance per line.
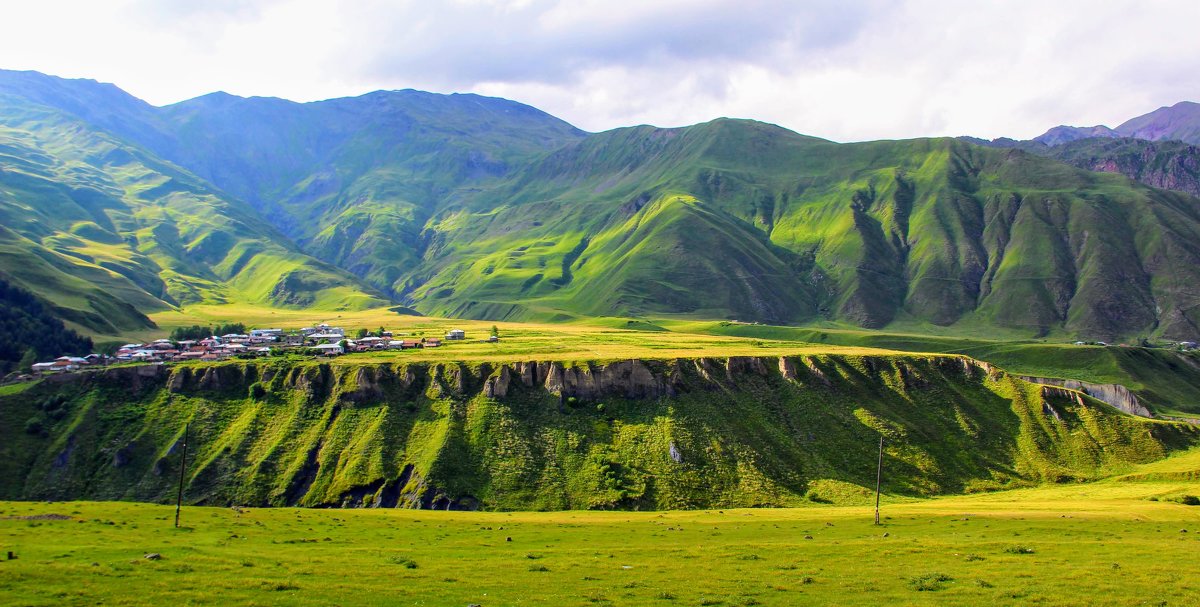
x=847 y=70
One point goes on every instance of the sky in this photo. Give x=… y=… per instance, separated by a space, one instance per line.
x=847 y=70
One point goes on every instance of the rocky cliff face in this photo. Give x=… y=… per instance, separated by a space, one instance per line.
x=1169 y=165
x=679 y=433
x=1114 y=394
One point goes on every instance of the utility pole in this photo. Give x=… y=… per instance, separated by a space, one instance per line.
x=183 y=467
x=878 y=478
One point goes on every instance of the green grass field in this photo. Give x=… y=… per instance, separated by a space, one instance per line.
x=605 y=339
x=1122 y=541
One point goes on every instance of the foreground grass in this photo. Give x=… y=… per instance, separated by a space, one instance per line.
x=1104 y=543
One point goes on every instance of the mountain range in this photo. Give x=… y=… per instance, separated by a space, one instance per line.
x=468 y=206
x=1179 y=122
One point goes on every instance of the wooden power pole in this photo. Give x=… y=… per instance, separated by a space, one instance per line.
x=878 y=478
x=183 y=468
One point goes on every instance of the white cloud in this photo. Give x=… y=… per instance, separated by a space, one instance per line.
x=844 y=70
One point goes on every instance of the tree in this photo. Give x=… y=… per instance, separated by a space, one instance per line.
x=27 y=360
x=381 y=332
x=495 y=331
x=362 y=332
x=193 y=333
x=235 y=328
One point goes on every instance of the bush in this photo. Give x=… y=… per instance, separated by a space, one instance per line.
x=404 y=561
x=1190 y=500
x=257 y=391
x=36 y=427
x=928 y=582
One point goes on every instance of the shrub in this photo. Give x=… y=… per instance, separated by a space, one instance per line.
x=1190 y=500
x=1019 y=550
x=929 y=582
x=257 y=391
x=36 y=427
x=406 y=562
x=816 y=498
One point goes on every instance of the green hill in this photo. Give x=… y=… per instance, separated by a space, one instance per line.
x=105 y=232
x=934 y=231
x=655 y=434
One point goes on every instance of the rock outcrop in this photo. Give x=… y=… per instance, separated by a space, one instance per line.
x=1113 y=394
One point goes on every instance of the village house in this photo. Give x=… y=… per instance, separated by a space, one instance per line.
x=326 y=337
x=329 y=349
x=59 y=365
x=372 y=343
x=322 y=329
x=431 y=342
x=456 y=334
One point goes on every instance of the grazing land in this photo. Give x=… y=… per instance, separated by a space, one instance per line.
x=603 y=339
x=1123 y=541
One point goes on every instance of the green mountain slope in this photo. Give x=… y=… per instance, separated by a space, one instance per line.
x=354 y=181
x=935 y=231
x=104 y=231
x=685 y=433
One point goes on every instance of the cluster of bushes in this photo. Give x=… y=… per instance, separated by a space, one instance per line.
x=51 y=409
x=196 y=332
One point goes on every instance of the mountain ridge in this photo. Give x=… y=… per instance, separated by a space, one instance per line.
x=1179 y=122
x=472 y=206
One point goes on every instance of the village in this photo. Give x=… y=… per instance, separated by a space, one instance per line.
x=321 y=340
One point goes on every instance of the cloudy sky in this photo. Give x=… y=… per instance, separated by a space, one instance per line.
x=847 y=70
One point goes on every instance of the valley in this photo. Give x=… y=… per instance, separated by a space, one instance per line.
x=715 y=323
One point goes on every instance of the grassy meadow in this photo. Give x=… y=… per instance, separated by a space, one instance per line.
x=1122 y=541
x=603 y=339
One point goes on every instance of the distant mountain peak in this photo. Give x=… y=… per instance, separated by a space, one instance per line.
x=1065 y=134
x=1179 y=122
